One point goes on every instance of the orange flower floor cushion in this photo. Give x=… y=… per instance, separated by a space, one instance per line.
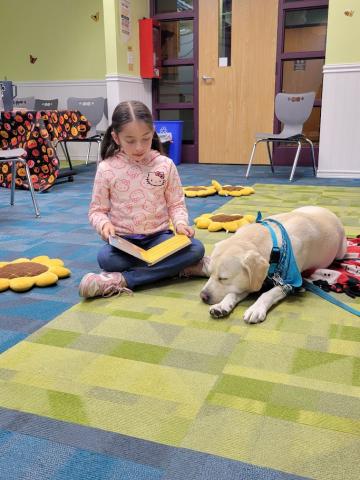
x=22 y=274
x=220 y=221
x=232 y=190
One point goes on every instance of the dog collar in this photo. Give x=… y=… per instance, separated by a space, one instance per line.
x=283 y=270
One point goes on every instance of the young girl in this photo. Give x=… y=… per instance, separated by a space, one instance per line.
x=137 y=191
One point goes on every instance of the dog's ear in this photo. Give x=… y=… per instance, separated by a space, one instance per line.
x=257 y=268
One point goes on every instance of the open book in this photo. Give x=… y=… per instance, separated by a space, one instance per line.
x=154 y=254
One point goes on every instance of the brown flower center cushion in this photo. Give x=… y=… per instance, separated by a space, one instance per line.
x=22 y=274
x=222 y=221
x=232 y=190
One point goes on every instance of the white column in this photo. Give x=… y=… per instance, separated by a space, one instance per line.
x=339 y=153
x=121 y=88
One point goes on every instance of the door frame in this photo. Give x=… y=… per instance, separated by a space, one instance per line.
x=285 y=155
x=190 y=152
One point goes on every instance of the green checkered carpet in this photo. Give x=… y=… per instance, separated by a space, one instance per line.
x=283 y=394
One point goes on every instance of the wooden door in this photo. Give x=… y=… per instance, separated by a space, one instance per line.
x=237 y=100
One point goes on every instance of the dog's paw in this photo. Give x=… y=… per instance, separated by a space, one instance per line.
x=218 y=311
x=255 y=314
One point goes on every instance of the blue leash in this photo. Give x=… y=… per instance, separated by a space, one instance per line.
x=318 y=291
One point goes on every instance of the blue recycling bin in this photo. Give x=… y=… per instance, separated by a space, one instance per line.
x=171 y=129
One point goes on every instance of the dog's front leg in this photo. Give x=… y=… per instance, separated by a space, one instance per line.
x=227 y=304
x=258 y=310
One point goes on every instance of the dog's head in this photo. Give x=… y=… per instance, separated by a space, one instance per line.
x=234 y=268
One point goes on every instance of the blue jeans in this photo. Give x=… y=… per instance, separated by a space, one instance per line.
x=137 y=272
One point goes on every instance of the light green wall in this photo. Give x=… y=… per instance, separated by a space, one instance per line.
x=343 y=34
x=116 y=48
x=111 y=42
x=68 y=44
x=139 y=9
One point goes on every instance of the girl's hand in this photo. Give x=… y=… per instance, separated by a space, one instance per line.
x=107 y=230
x=185 y=230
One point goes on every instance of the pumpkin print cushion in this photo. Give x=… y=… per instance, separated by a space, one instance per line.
x=232 y=190
x=221 y=221
x=22 y=274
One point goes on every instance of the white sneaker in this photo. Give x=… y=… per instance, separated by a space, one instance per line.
x=103 y=284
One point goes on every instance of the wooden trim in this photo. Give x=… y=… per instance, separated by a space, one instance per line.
x=298 y=55
x=189 y=151
x=177 y=61
x=304 y=4
x=174 y=106
x=284 y=6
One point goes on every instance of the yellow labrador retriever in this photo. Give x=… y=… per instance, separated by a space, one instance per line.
x=239 y=265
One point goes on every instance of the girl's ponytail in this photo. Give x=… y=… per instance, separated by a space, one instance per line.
x=108 y=146
x=156 y=144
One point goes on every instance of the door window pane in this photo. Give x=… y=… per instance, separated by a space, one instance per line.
x=188 y=118
x=303 y=75
x=305 y=30
x=225 y=21
x=176 y=84
x=177 y=39
x=165 y=6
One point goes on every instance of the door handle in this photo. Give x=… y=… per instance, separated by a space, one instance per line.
x=206 y=78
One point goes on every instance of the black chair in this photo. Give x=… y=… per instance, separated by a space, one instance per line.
x=93 y=109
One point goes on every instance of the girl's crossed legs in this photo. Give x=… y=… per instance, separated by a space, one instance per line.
x=124 y=272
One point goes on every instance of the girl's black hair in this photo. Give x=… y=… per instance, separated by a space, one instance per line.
x=124 y=113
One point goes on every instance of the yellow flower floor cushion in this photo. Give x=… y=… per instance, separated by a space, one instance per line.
x=199 y=191
x=232 y=190
x=22 y=274
x=220 y=221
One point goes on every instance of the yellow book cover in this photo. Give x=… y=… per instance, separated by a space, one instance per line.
x=154 y=254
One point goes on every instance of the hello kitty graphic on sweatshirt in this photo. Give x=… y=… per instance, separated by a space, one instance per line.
x=137 y=197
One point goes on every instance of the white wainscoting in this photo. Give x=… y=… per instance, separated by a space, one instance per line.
x=115 y=88
x=339 y=154
x=124 y=87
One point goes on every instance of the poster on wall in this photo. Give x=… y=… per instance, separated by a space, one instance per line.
x=125 y=6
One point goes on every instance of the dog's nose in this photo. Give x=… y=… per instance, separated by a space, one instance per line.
x=204 y=297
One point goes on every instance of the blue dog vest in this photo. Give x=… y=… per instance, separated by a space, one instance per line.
x=283 y=270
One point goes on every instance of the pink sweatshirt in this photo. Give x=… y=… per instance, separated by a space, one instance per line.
x=137 y=197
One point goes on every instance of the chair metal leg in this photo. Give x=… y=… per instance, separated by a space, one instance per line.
x=312 y=153
x=98 y=153
x=251 y=159
x=270 y=156
x=65 y=152
x=88 y=154
x=31 y=188
x=295 y=161
x=13 y=181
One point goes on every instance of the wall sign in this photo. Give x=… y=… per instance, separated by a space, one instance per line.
x=299 y=64
x=125 y=20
